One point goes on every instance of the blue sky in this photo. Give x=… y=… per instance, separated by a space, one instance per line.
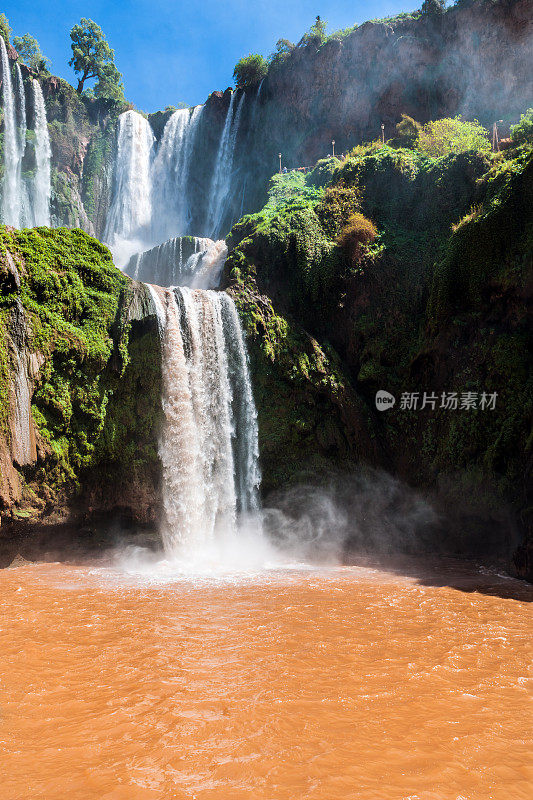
x=181 y=51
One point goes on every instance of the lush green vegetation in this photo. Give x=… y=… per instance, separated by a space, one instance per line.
x=522 y=133
x=74 y=304
x=395 y=269
x=250 y=71
x=444 y=136
x=93 y=58
x=30 y=53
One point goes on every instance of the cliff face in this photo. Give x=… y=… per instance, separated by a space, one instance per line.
x=440 y=303
x=80 y=371
x=473 y=60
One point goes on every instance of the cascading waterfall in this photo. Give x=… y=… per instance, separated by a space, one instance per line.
x=221 y=182
x=14 y=142
x=171 y=208
x=208 y=448
x=130 y=215
x=183 y=261
x=43 y=152
x=152 y=197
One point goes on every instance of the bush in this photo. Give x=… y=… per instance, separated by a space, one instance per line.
x=522 y=133
x=338 y=205
x=356 y=235
x=407 y=132
x=250 y=71
x=452 y=135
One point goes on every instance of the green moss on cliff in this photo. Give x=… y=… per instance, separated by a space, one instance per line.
x=74 y=303
x=437 y=304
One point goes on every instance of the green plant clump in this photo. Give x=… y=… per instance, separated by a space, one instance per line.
x=250 y=71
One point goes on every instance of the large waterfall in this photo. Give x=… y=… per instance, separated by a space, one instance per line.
x=25 y=202
x=208 y=447
x=153 y=191
x=14 y=143
x=171 y=214
x=41 y=194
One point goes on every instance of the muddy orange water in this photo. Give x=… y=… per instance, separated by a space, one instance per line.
x=342 y=683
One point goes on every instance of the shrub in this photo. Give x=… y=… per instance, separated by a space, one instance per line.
x=522 y=133
x=250 y=71
x=433 y=7
x=452 y=135
x=338 y=205
x=407 y=131
x=356 y=235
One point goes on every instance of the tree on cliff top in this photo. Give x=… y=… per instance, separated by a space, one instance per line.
x=283 y=50
x=433 y=7
x=29 y=51
x=250 y=71
x=315 y=35
x=5 y=30
x=92 y=57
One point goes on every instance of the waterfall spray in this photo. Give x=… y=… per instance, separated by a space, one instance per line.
x=41 y=193
x=208 y=446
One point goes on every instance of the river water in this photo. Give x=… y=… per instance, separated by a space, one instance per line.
x=279 y=684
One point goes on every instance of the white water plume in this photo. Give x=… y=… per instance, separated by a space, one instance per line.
x=170 y=175
x=208 y=446
x=43 y=152
x=130 y=215
x=14 y=108
x=221 y=183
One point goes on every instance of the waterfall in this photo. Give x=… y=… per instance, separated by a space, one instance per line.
x=183 y=261
x=41 y=193
x=208 y=446
x=129 y=219
x=221 y=183
x=171 y=169
x=14 y=142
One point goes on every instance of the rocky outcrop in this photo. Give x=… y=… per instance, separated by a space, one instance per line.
x=80 y=373
x=440 y=304
x=472 y=60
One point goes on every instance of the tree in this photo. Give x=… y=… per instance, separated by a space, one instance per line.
x=522 y=132
x=5 y=30
x=283 y=50
x=452 y=135
x=316 y=34
x=250 y=71
x=433 y=7
x=92 y=57
x=28 y=49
